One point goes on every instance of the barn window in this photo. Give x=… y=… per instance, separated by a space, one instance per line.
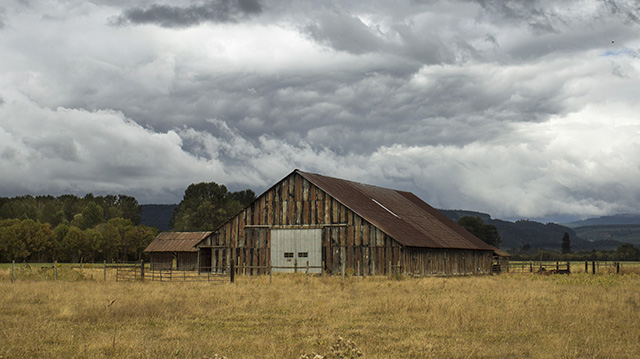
x=288 y=254
x=303 y=254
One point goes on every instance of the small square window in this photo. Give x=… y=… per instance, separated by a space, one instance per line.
x=288 y=254
x=303 y=254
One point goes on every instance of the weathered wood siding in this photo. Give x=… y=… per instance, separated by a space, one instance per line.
x=349 y=242
x=187 y=260
x=161 y=260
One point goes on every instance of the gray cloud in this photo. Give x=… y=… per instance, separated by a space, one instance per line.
x=3 y=17
x=216 y=11
x=520 y=109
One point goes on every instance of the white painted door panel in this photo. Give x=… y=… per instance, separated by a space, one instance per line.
x=294 y=247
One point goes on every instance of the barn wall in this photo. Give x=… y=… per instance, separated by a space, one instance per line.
x=161 y=260
x=348 y=241
x=187 y=260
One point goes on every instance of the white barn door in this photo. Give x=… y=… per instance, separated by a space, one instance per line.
x=290 y=247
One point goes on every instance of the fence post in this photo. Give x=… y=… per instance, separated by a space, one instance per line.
x=593 y=267
x=617 y=267
x=55 y=270
x=568 y=267
x=307 y=270
x=104 y=266
x=13 y=267
x=322 y=269
x=142 y=269
x=270 y=276
x=232 y=273
x=531 y=266
x=586 y=267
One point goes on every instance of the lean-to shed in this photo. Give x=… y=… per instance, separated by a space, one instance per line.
x=340 y=225
x=180 y=247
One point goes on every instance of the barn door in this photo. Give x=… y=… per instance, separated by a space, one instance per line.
x=294 y=247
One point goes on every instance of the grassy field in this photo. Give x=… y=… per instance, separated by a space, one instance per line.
x=506 y=316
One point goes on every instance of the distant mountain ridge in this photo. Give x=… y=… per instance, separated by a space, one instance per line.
x=618 y=219
x=157 y=215
x=537 y=235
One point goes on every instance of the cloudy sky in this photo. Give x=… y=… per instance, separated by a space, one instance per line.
x=521 y=108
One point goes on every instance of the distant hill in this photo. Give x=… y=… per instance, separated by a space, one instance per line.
x=628 y=233
x=537 y=235
x=624 y=218
x=157 y=215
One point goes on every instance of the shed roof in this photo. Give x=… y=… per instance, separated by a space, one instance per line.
x=401 y=215
x=177 y=241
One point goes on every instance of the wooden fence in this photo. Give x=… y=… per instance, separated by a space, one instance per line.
x=592 y=267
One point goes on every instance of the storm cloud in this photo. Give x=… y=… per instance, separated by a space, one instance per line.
x=523 y=109
x=173 y=16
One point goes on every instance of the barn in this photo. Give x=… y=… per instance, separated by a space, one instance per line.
x=176 y=250
x=340 y=226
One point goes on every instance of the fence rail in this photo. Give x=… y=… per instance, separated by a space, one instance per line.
x=593 y=267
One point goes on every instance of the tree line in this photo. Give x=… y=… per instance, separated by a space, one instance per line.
x=69 y=228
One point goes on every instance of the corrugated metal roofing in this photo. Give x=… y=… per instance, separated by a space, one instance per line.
x=401 y=215
x=177 y=241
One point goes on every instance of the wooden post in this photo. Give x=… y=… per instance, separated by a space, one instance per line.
x=295 y=265
x=586 y=266
x=617 y=267
x=307 y=270
x=13 y=267
x=142 y=269
x=322 y=269
x=531 y=266
x=232 y=270
x=557 y=267
x=104 y=266
x=270 y=276
x=55 y=270
x=568 y=267
x=593 y=267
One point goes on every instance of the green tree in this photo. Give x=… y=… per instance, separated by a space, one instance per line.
x=12 y=245
x=129 y=208
x=205 y=206
x=566 y=243
x=95 y=243
x=111 y=239
x=91 y=216
x=487 y=232
x=627 y=252
x=75 y=245
x=136 y=239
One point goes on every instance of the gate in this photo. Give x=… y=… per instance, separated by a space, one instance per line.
x=126 y=271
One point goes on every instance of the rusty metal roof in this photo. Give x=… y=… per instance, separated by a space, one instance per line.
x=177 y=241
x=401 y=215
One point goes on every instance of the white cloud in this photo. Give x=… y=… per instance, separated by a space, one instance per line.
x=520 y=109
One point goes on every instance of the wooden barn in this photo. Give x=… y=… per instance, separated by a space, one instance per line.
x=176 y=250
x=339 y=226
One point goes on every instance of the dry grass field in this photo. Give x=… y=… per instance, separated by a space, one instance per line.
x=506 y=316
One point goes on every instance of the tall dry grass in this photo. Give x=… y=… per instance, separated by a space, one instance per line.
x=507 y=316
